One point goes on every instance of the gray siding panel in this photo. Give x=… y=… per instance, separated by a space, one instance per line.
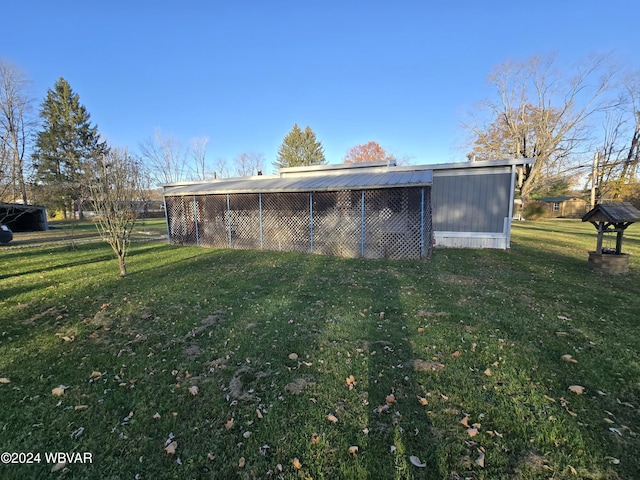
x=470 y=203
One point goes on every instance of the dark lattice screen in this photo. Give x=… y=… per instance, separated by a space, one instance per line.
x=384 y=223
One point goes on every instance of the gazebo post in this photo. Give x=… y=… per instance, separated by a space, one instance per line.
x=600 y=237
x=619 y=239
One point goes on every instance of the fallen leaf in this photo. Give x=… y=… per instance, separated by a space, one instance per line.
x=420 y=329
x=487 y=372
x=473 y=347
x=211 y=456
x=241 y=462
x=156 y=416
x=193 y=390
x=577 y=389
x=569 y=358
x=258 y=413
x=229 y=424
x=416 y=461
x=332 y=418
x=171 y=448
x=293 y=356
x=58 y=466
x=351 y=381
x=246 y=434
x=480 y=460
x=5 y=380
x=456 y=354
x=613 y=460
x=58 y=391
x=472 y=432
x=615 y=430
x=423 y=401
x=465 y=421
x=353 y=450
x=81 y=408
x=296 y=464
x=390 y=399
x=314 y=438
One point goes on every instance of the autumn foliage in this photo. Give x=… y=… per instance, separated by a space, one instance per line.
x=369 y=152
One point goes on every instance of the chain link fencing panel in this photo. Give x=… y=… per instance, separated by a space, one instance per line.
x=383 y=223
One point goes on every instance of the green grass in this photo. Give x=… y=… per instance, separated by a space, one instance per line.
x=227 y=321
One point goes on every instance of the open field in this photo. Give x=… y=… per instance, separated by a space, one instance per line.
x=227 y=364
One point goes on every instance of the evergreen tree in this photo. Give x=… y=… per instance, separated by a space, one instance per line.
x=300 y=148
x=66 y=149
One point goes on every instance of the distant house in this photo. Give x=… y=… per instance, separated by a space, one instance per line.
x=369 y=210
x=565 y=207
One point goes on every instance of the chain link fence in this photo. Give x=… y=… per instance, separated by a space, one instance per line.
x=383 y=223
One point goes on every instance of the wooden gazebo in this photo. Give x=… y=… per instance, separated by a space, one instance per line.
x=611 y=218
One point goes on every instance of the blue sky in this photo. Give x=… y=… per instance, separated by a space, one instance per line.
x=404 y=73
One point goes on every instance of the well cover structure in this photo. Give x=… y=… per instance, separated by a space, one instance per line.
x=371 y=210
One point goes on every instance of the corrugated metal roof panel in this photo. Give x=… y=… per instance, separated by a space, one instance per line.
x=347 y=181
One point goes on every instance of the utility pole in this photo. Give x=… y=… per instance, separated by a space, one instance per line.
x=594 y=180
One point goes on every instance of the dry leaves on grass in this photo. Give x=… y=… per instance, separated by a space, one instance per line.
x=5 y=380
x=577 y=389
x=332 y=418
x=351 y=382
x=58 y=391
x=171 y=448
x=568 y=358
x=296 y=463
x=193 y=390
x=415 y=461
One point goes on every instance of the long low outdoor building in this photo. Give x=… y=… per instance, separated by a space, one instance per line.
x=371 y=210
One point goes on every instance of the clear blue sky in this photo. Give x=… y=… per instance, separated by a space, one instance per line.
x=242 y=72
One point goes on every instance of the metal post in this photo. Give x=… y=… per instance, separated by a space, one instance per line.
x=166 y=216
x=195 y=218
x=362 y=227
x=229 y=220
x=260 y=207
x=311 y=220
x=422 y=223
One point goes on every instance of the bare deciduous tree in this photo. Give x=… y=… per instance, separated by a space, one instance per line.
x=248 y=163
x=167 y=160
x=16 y=128
x=198 y=154
x=539 y=113
x=117 y=196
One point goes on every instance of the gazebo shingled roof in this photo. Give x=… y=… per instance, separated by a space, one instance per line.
x=620 y=212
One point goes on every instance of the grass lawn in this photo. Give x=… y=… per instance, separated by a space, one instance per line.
x=207 y=363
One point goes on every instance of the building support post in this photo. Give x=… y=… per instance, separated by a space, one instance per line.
x=195 y=219
x=422 y=222
x=311 y=221
x=229 y=221
x=260 y=218
x=362 y=226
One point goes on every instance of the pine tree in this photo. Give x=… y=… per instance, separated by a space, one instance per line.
x=66 y=149
x=300 y=148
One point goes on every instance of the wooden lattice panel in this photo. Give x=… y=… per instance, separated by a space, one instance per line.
x=337 y=223
x=213 y=220
x=244 y=220
x=285 y=222
x=182 y=225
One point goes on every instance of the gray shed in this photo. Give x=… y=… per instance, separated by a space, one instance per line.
x=374 y=210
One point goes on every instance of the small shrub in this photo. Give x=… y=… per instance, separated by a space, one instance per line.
x=534 y=210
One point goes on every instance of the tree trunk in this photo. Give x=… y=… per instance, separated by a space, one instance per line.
x=123 y=266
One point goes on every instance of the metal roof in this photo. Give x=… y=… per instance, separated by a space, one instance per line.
x=618 y=212
x=352 y=180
